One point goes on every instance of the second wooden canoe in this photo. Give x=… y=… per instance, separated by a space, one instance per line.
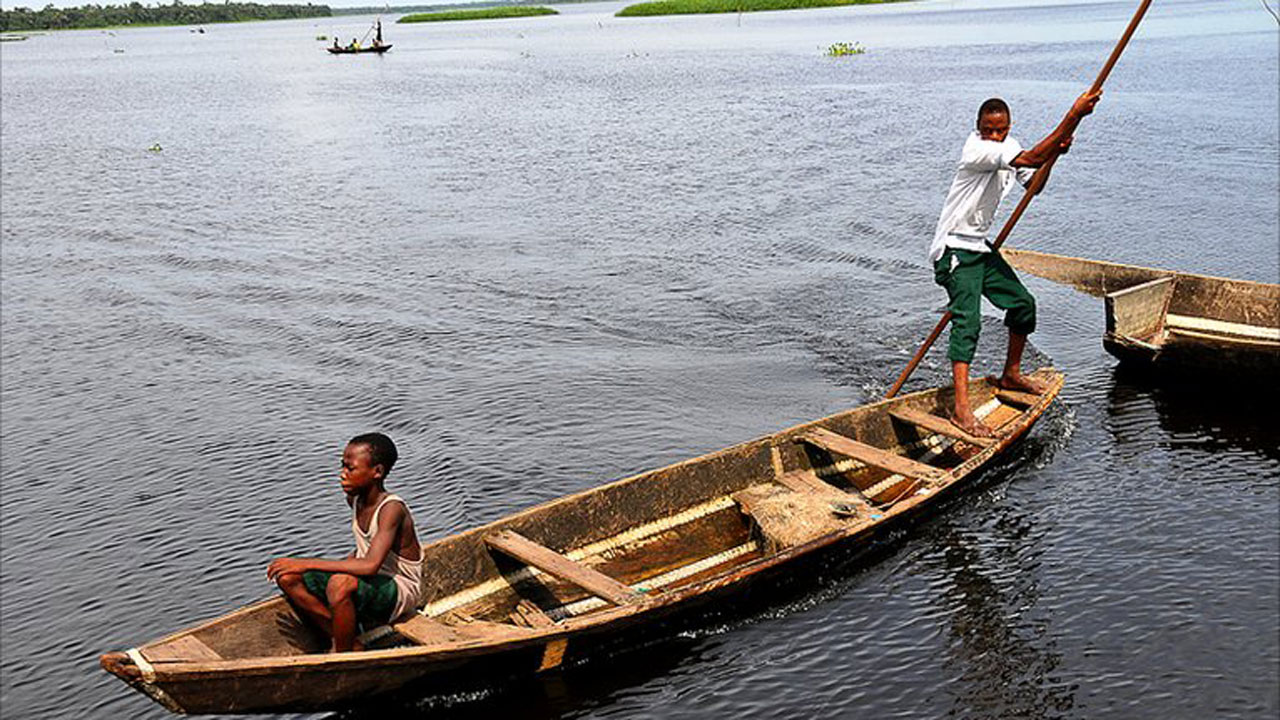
x=1172 y=320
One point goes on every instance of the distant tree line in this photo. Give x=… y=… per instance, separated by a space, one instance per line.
x=135 y=13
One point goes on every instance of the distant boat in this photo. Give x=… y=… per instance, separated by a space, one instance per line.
x=1173 y=320
x=377 y=47
x=358 y=49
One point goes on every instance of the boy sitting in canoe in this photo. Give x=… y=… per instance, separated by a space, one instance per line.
x=380 y=581
x=965 y=263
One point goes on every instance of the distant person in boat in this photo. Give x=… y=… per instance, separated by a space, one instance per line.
x=336 y=46
x=379 y=582
x=355 y=44
x=963 y=260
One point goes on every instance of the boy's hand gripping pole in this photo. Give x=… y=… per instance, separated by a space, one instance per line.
x=1034 y=187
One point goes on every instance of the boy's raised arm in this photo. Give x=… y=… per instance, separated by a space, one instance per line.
x=1059 y=141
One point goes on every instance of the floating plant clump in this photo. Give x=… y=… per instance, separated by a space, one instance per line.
x=842 y=49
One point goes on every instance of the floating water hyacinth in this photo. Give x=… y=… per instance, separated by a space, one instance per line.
x=842 y=49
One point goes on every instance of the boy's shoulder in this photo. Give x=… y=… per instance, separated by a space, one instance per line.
x=394 y=499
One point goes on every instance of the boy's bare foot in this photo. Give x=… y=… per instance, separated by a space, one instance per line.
x=971 y=425
x=1019 y=382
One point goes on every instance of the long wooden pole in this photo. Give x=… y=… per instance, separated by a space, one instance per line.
x=1034 y=187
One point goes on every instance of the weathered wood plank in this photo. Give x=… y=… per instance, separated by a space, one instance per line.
x=531 y=615
x=939 y=425
x=894 y=463
x=1138 y=312
x=1221 y=327
x=553 y=563
x=425 y=631
x=187 y=648
x=491 y=631
x=1013 y=397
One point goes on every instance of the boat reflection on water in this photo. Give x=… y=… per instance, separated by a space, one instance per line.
x=1001 y=665
x=1196 y=411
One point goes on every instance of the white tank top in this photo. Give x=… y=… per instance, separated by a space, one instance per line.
x=406 y=573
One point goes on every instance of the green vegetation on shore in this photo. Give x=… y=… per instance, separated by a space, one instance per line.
x=135 y=13
x=692 y=7
x=504 y=11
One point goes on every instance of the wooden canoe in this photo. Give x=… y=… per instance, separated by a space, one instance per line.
x=522 y=594
x=1171 y=320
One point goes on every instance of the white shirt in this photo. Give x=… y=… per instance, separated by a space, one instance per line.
x=983 y=178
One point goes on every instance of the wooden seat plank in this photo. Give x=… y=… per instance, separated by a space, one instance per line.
x=553 y=563
x=1221 y=327
x=894 y=463
x=1013 y=397
x=939 y=425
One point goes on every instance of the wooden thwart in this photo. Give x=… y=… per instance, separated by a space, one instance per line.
x=894 y=463
x=939 y=425
x=1013 y=397
x=553 y=563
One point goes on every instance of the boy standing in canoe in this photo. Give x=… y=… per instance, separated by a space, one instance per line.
x=381 y=580
x=965 y=263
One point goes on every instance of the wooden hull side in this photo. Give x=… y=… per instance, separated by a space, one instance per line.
x=299 y=679
x=1184 y=354
x=307 y=688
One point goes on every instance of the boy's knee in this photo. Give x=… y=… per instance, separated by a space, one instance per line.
x=341 y=587
x=1021 y=316
x=290 y=582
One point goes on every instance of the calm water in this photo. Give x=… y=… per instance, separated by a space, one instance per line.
x=547 y=253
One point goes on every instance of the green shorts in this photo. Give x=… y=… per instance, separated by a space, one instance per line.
x=968 y=277
x=375 y=595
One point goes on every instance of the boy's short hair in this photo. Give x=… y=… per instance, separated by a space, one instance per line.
x=991 y=106
x=381 y=450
